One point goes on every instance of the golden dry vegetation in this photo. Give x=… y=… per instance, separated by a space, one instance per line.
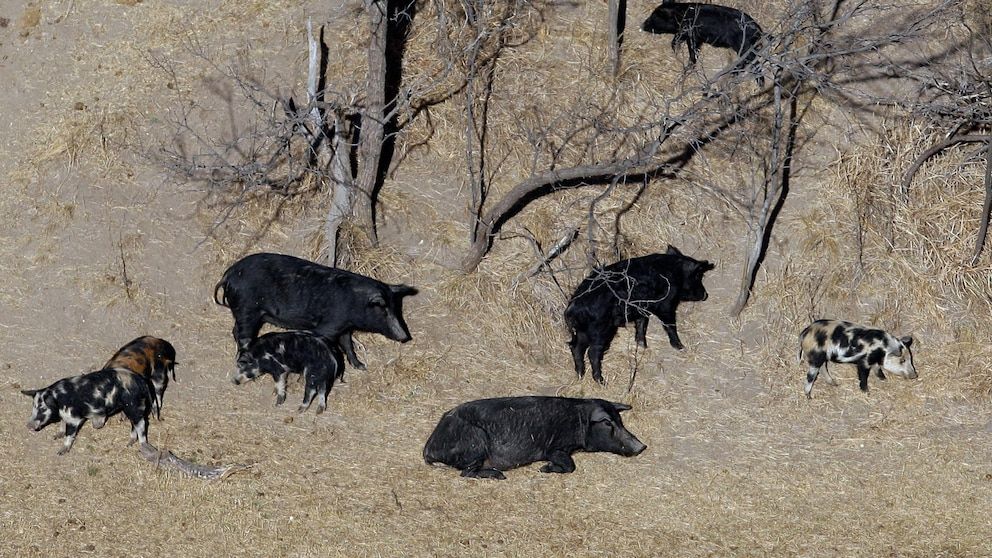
x=100 y=246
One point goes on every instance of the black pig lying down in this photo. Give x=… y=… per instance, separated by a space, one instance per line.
x=151 y=358
x=697 y=24
x=631 y=291
x=293 y=293
x=483 y=438
x=95 y=396
x=293 y=352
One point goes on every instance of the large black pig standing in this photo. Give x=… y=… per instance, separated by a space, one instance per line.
x=294 y=293
x=631 y=291
x=486 y=437
x=697 y=24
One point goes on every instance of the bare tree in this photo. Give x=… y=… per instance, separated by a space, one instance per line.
x=472 y=35
x=276 y=146
x=957 y=96
x=815 y=51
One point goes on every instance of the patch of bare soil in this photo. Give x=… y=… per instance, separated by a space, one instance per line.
x=98 y=247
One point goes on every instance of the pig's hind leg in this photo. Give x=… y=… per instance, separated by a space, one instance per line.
x=139 y=423
x=317 y=386
x=462 y=445
x=280 y=378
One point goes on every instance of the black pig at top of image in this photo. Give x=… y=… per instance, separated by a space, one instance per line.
x=697 y=24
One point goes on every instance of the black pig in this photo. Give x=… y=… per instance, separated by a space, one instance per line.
x=486 y=437
x=95 y=396
x=293 y=293
x=631 y=291
x=698 y=24
x=298 y=352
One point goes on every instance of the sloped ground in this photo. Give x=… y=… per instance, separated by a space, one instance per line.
x=98 y=247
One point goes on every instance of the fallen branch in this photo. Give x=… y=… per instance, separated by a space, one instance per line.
x=983 y=228
x=934 y=150
x=167 y=459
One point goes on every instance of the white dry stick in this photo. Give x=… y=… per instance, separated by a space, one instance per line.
x=312 y=78
x=563 y=243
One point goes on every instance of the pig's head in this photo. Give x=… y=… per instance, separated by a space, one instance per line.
x=607 y=433
x=383 y=311
x=45 y=410
x=164 y=364
x=165 y=357
x=664 y=19
x=247 y=368
x=692 y=288
x=899 y=359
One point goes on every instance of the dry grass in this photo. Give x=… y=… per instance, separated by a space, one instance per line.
x=739 y=463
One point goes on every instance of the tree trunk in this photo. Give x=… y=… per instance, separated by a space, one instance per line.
x=322 y=148
x=373 y=119
x=617 y=22
x=342 y=188
x=776 y=188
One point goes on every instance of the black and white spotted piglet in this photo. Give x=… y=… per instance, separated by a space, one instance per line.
x=298 y=352
x=870 y=349
x=95 y=396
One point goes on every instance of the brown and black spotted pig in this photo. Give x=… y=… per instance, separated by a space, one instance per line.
x=868 y=348
x=151 y=358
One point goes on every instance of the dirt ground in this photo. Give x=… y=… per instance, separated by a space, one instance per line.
x=99 y=246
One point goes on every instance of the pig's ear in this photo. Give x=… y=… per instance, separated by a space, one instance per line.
x=706 y=266
x=599 y=415
x=907 y=341
x=621 y=407
x=403 y=290
x=673 y=251
x=30 y=392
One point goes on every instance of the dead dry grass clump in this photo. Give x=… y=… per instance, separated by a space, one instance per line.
x=102 y=110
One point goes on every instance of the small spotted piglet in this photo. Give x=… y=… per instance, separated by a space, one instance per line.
x=95 y=396
x=300 y=352
x=869 y=349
